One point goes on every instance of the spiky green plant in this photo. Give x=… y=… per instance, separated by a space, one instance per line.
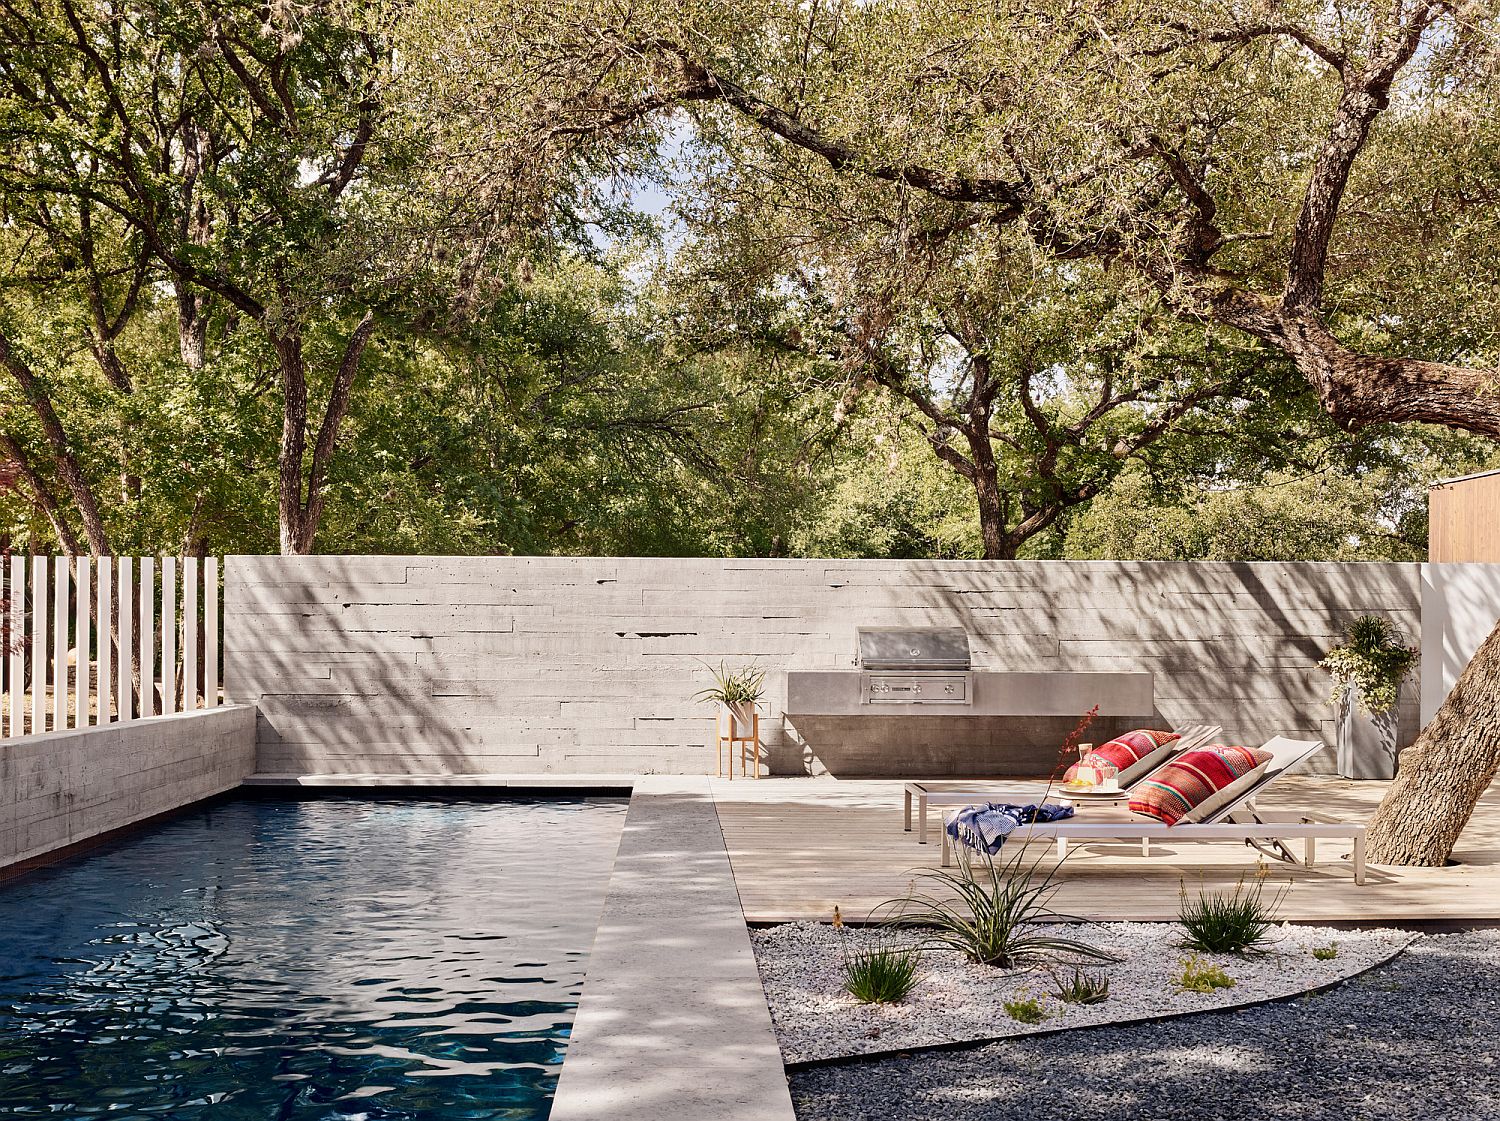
x=995 y=921
x=882 y=976
x=1232 y=922
x=733 y=686
x=1082 y=988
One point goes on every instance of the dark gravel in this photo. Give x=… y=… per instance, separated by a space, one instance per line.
x=1419 y=1038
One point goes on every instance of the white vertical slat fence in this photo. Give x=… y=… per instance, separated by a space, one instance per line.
x=94 y=642
x=126 y=643
x=59 y=665
x=146 y=633
x=37 y=639
x=14 y=624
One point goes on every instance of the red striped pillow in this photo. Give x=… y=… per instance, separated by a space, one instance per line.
x=1124 y=752
x=1191 y=779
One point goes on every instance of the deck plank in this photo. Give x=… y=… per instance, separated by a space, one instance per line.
x=799 y=846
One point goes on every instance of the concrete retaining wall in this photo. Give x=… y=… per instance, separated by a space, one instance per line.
x=59 y=788
x=1460 y=606
x=558 y=664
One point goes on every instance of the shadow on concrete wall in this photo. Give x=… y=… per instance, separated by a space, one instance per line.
x=581 y=665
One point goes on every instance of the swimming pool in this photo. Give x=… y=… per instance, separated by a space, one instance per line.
x=339 y=958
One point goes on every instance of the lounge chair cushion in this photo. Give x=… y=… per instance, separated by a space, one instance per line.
x=1132 y=754
x=1199 y=783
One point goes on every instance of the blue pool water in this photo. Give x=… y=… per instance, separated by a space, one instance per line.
x=334 y=959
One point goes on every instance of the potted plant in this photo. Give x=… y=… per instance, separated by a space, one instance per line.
x=736 y=691
x=1367 y=670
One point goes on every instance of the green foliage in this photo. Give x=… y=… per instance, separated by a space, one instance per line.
x=1239 y=512
x=1371 y=659
x=810 y=360
x=1232 y=922
x=734 y=686
x=994 y=920
x=1082 y=988
x=881 y=976
x=1326 y=953
x=1198 y=976
x=1025 y=1008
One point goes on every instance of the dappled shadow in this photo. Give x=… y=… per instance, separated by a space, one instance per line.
x=799 y=846
x=1234 y=644
x=589 y=665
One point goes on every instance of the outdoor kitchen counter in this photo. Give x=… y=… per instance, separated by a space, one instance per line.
x=995 y=693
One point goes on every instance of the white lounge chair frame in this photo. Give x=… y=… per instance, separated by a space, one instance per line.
x=1194 y=735
x=1237 y=821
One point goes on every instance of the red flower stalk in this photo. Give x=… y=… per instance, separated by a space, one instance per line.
x=1067 y=755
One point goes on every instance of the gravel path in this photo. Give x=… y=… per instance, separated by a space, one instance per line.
x=955 y=1000
x=1417 y=1038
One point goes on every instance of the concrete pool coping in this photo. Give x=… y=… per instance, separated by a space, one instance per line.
x=594 y=782
x=673 y=1023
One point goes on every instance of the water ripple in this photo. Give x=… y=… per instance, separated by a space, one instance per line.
x=337 y=960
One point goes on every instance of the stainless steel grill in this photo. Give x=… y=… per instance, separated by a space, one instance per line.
x=914 y=665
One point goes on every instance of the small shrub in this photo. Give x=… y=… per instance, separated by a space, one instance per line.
x=881 y=976
x=1326 y=953
x=1199 y=976
x=1233 y=922
x=1082 y=988
x=994 y=921
x=1025 y=1008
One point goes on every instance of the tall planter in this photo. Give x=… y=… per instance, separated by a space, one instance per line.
x=1366 y=745
x=738 y=717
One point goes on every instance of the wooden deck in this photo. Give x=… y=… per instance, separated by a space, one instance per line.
x=799 y=846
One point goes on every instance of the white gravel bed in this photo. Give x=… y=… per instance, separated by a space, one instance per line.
x=955 y=1000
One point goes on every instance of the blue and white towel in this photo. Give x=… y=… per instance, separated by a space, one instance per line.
x=986 y=827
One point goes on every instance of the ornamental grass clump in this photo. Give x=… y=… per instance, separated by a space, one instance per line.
x=1234 y=922
x=1198 y=976
x=996 y=922
x=885 y=975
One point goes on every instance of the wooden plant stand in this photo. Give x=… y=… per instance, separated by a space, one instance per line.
x=725 y=742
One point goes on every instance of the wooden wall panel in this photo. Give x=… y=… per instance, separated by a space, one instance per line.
x=1464 y=520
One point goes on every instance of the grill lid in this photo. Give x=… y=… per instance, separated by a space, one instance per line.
x=913 y=648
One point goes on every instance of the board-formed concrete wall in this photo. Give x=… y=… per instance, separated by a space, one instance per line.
x=589 y=665
x=59 y=788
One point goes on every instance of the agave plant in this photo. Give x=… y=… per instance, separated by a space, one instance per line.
x=996 y=919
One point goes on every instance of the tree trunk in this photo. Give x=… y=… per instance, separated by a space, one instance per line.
x=41 y=495
x=992 y=533
x=294 y=535
x=300 y=516
x=1444 y=774
x=64 y=461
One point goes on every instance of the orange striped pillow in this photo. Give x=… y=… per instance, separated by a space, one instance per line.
x=1124 y=752
x=1191 y=779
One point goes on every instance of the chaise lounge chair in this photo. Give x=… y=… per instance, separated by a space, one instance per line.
x=1234 y=820
x=925 y=794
